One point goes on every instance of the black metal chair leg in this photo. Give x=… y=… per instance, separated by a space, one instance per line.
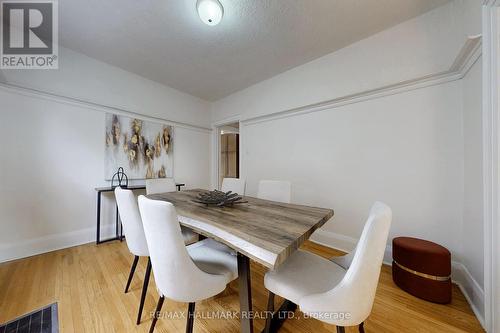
x=132 y=270
x=190 y=318
x=157 y=314
x=362 y=328
x=340 y=329
x=270 y=312
x=144 y=290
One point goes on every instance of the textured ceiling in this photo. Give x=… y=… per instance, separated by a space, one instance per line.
x=165 y=41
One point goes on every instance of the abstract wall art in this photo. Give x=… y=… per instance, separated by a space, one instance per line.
x=143 y=148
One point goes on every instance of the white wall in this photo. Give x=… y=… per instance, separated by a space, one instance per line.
x=87 y=79
x=472 y=256
x=424 y=45
x=405 y=150
x=472 y=240
x=53 y=151
x=473 y=225
x=418 y=150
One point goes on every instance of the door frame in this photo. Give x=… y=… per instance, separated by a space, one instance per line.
x=491 y=163
x=216 y=147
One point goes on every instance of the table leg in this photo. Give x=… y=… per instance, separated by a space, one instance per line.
x=121 y=232
x=98 y=236
x=245 y=289
x=116 y=222
x=278 y=318
x=121 y=225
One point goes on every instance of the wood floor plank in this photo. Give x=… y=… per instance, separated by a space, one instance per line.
x=88 y=283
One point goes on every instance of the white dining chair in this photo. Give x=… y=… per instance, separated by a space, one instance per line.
x=160 y=185
x=163 y=185
x=340 y=291
x=184 y=274
x=136 y=241
x=235 y=185
x=275 y=190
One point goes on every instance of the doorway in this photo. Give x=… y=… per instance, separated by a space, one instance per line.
x=229 y=152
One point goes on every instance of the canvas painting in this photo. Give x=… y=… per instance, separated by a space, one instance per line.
x=144 y=149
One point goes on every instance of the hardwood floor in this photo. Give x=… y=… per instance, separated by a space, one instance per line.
x=88 y=282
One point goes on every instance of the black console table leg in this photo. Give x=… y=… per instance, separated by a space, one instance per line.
x=118 y=225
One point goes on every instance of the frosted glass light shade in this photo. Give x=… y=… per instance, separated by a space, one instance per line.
x=210 y=11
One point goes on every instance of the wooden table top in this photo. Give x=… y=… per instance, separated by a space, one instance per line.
x=265 y=231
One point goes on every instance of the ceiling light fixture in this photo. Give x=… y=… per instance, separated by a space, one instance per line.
x=210 y=11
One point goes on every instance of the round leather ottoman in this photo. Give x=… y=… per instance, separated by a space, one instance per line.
x=422 y=268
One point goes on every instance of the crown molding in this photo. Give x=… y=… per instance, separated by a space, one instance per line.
x=491 y=3
x=468 y=55
x=465 y=59
x=31 y=92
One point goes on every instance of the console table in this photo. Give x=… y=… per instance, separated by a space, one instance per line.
x=118 y=227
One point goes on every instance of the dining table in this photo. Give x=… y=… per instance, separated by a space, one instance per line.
x=264 y=231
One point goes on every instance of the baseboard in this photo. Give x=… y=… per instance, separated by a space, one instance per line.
x=470 y=288
x=460 y=275
x=31 y=247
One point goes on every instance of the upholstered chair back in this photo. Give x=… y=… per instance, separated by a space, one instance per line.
x=353 y=297
x=176 y=275
x=235 y=185
x=131 y=222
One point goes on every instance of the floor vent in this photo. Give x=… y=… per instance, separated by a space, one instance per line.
x=43 y=320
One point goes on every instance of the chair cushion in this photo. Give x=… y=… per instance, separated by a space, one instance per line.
x=189 y=236
x=214 y=258
x=303 y=274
